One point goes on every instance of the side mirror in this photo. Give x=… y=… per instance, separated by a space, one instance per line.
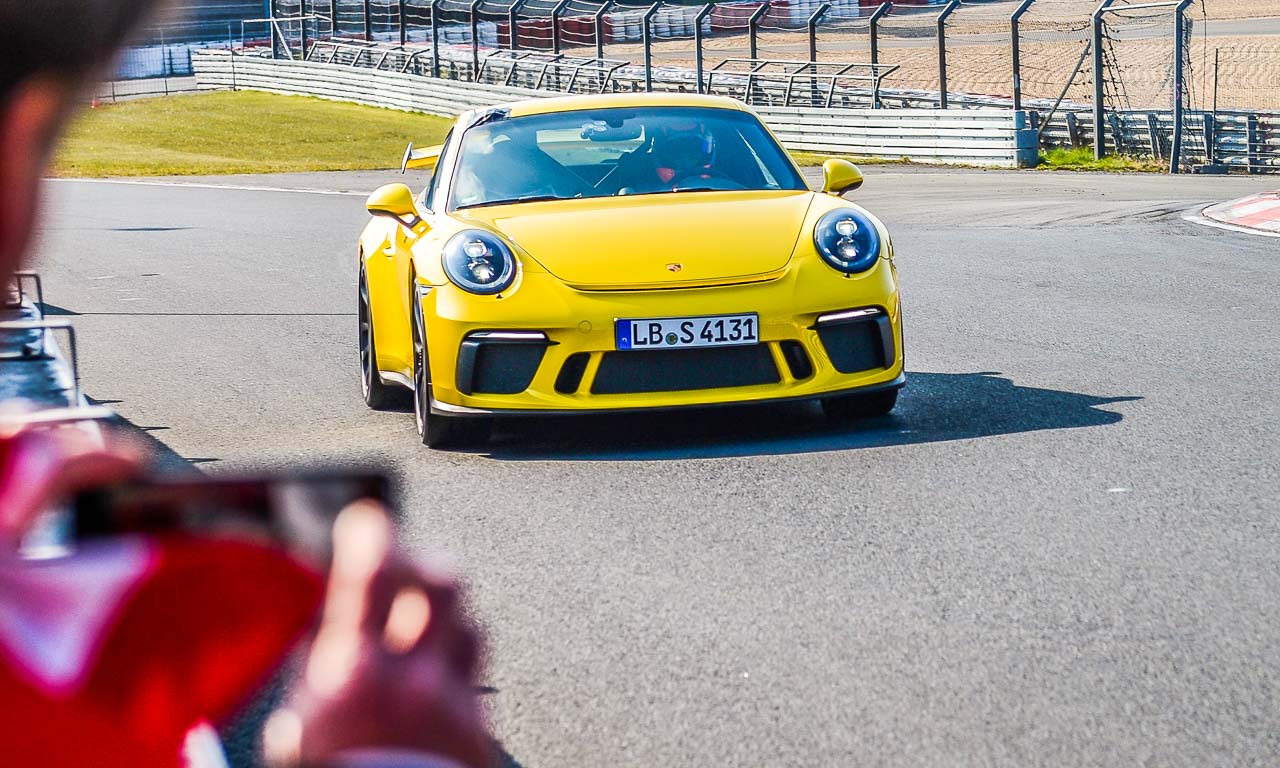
x=394 y=201
x=840 y=176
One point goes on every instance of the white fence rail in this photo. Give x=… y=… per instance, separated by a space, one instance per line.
x=988 y=137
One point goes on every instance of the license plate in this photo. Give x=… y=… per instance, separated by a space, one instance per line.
x=688 y=332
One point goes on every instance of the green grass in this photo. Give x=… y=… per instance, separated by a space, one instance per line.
x=252 y=132
x=240 y=132
x=1081 y=159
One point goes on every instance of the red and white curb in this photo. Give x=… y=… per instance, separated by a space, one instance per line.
x=1256 y=214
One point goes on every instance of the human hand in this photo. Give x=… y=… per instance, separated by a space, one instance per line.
x=393 y=667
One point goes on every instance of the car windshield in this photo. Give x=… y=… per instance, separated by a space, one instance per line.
x=608 y=152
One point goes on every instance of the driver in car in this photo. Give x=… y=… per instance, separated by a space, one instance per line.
x=680 y=154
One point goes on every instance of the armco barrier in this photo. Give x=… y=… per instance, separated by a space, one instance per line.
x=988 y=137
x=991 y=137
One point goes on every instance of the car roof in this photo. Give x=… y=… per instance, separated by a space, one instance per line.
x=612 y=100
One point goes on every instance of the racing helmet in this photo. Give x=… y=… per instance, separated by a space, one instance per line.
x=685 y=145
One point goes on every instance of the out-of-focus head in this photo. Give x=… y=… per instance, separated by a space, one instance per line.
x=49 y=50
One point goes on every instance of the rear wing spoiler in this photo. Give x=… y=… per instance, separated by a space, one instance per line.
x=416 y=159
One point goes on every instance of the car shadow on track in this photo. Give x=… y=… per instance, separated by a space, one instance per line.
x=934 y=407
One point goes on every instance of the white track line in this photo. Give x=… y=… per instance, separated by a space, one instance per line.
x=234 y=187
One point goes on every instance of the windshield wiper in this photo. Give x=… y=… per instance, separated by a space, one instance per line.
x=514 y=200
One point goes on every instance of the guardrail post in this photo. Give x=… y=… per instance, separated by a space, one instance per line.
x=400 y=13
x=1099 y=136
x=1179 y=56
x=1153 y=134
x=1015 y=48
x=555 y=25
x=753 y=30
x=475 y=40
x=813 y=29
x=599 y=20
x=873 y=27
x=647 y=36
x=1117 y=132
x=1210 y=150
x=435 y=38
x=1073 y=130
x=942 y=51
x=697 y=40
x=1253 y=145
x=368 y=20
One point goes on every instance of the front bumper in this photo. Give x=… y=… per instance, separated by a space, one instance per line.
x=550 y=348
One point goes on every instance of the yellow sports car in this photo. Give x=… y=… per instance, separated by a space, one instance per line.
x=620 y=253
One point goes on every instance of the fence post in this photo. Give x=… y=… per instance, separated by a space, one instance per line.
x=1099 y=136
x=475 y=40
x=555 y=25
x=873 y=26
x=271 y=29
x=753 y=30
x=647 y=37
x=600 y=12
x=942 y=51
x=697 y=40
x=333 y=18
x=435 y=38
x=1179 y=57
x=1015 y=48
x=368 y=20
x=513 y=13
x=302 y=31
x=813 y=29
x=400 y=12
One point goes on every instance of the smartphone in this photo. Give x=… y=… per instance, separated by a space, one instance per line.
x=294 y=512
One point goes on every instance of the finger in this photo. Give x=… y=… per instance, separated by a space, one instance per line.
x=450 y=633
x=361 y=545
x=361 y=548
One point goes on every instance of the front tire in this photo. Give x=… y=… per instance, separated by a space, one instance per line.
x=860 y=406
x=436 y=430
x=377 y=395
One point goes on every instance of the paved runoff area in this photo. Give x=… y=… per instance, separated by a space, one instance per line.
x=1059 y=550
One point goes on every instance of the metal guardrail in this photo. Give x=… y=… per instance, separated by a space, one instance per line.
x=1227 y=140
x=34 y=323
x=991 y=137
x=547 y=70
x=760 y=79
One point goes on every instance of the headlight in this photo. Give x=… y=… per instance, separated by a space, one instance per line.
x=479 y=262
x=847 y=240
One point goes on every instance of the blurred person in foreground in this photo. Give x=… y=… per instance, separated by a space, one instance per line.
x=109 y=656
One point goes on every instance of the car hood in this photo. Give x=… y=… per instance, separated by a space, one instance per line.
x=688 y=238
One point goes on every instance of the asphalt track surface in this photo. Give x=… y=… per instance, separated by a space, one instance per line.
x=1059 y=550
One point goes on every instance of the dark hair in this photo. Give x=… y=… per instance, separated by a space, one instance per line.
x=62 y=38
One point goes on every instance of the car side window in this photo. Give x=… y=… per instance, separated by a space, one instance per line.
x=428 y=197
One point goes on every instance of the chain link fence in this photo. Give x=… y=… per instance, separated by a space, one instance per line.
x=962 y=53
x=1150 y=59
